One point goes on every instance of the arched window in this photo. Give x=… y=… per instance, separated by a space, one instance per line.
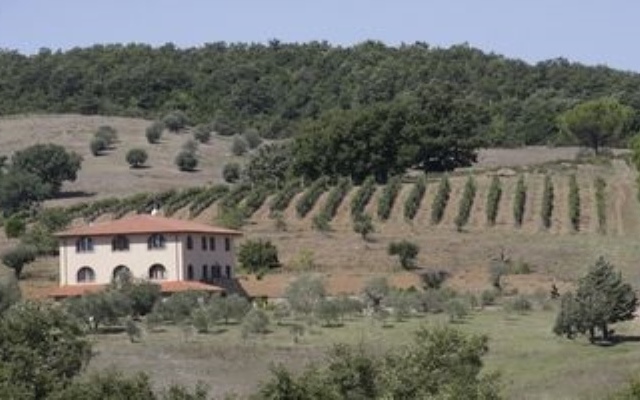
x=85 y=275
x=120 y=243
x=156 y=241
x=190 y=272
x=157 y=272
x=121 y=274
x=84 y=244
x=189 y=243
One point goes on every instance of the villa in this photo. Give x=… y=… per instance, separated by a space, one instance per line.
x=177 y=254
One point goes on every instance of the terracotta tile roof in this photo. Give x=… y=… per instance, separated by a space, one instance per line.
x=274 y=285
x=145 y=223
x=165 y=287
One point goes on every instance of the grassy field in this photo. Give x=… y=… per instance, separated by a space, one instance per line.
x=533 y=363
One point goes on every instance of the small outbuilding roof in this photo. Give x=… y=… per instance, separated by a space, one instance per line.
x=166 y=287
x=144 y=224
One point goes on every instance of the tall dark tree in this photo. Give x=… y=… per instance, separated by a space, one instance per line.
x=49 y=162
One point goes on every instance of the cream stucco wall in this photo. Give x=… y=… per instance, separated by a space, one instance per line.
x=175 y=257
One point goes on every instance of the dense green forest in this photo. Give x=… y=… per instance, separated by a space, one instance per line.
x=277 y=87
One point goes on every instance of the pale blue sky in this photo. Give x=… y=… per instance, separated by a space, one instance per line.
x=588 y=31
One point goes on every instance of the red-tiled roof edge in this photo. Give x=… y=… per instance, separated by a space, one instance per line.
x=165 y=287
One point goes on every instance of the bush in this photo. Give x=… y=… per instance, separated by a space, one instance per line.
x=190 y=145
x=406 y=251
x=255 y=322
x=601 y=204
x=258 y=256
x=17 y=257
x=546 y=212
x=97 y=146
x=362 y=196
x=107 y=133
x=440 y=201
x=574 y=203
x=412 y=204
x=202 y=133
x=466 y=203
x=136 y=157
x=388 y=197
x=488 y=297
x=252 y=138
x=519 y=201
x=175 y=121
x=239 y=146
x=519 y=304
x=231 y=172
x=186 y=161
x=457 y=309
x=493 y=200
x=14 y=227
x=308 y=200
x=363 y=225
x=304 y=294
x=154 y=132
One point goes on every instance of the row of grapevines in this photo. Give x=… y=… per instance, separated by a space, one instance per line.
x=205 y=199
x=156 y=200
x=235 y=196
x=466 y=203
x=388 y=197
x=601 y=203
x=574 y=203
x=131 y=203
x=362 y=196
x=412 y=204
x=493 y=200
x=519 y=201
x=546 y=212
x=440 y=201
x=311 y=196
x=254 y=200
x=181 y=199
x=283 y=198
x=335 y=198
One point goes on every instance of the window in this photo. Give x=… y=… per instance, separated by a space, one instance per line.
x=217 y=271
x=157 y=272
x=84 y=244
x=156 y=241
x=120 y=243
x=212 y=243
x=204 y=243
x=85 y=275
x=121 y=274
x=190 y=272
x=227 y=244
x=205 y=273
x=189 y=243
x=228 y=272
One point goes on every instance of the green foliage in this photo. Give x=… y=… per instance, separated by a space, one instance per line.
x=16 y=258
x=335 y=198
x=388 y=197
x=49 y=162
x=283 y=198
x=546 y=210
x=466 y=203
x=457 y=309
x=175 y=121
x=239 y=146
x=252 y=138
x=142 y=295
x=231 y=172
x=10 y=293
x=440 y=200
x=202 y=133
x=406 y=251
x=186 y=161
x=181 y=199
x=43 y=348
x=190 y=145
x=254 y=200
x=97 y=146
x=597 y=123
x=233 y=307
x=20 y=191
x=269 y=165
x=203 y=200
x=493 y=200
x=321 y=222
x=519 y=304
x=601 y=203
x=362 y=196
x=255 y=322
x=519 y=201
x=136 y=157
x=309 y=198
x=153 y=133
x=574 y=203
x=14 y=227
x=433 y=279
x=107 y=307
x=304 y=294
x=54 y=219
x=258 y=256
x=412 y=204
x=363 y=225
x=107 y=133
x=231 y=217
x=375 y=290
x=602 y=298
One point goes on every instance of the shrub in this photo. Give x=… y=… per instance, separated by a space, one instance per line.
x=519 y=201
x=519 y=304
x=493 y=200
x=154 y=132
x=186 y=161
x=281 y=200
x=308 y=200
x=363 y=225
x=335 y=197
x=97 y=146
x=488 y=297
x=239 y=146
x=388 y=197
x=136 y=157
x=14 y=227
x=321 y=222
x=231 y=172
x=202 y=133
x=304 y=294
x=258 y=256
x=574 y=203
x=329 y=312
x=175 y=121
x=601 y=204
x=412 y=204
x=433 y=279
x=362 y=196
x=406 y=251
x=107 y=133
x=252 y=138
x=440 y=201
x=546 y=211
x=190 y=145
x=255 y=322
x=457 y=309
x=466 y=203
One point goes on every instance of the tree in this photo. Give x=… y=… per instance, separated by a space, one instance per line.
x=597 y=123
x=49 y=162
x=142 y=295
x=375 y=290
x=252 y=138
x=602 y=298
x=304 y=294
x=107 y=133
x=97 y=146
x=20 y=190
x=175 y=121
x=153 y=132
x=202 y=133
x=14 y=227
x=258 y=256
x=231 y=172
x=239 y=146
x=363 y=225
x=255 y=321
x=136 y=157
x=186 y=161
x=406 y=251
x=270 y=165
x=17 y=257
